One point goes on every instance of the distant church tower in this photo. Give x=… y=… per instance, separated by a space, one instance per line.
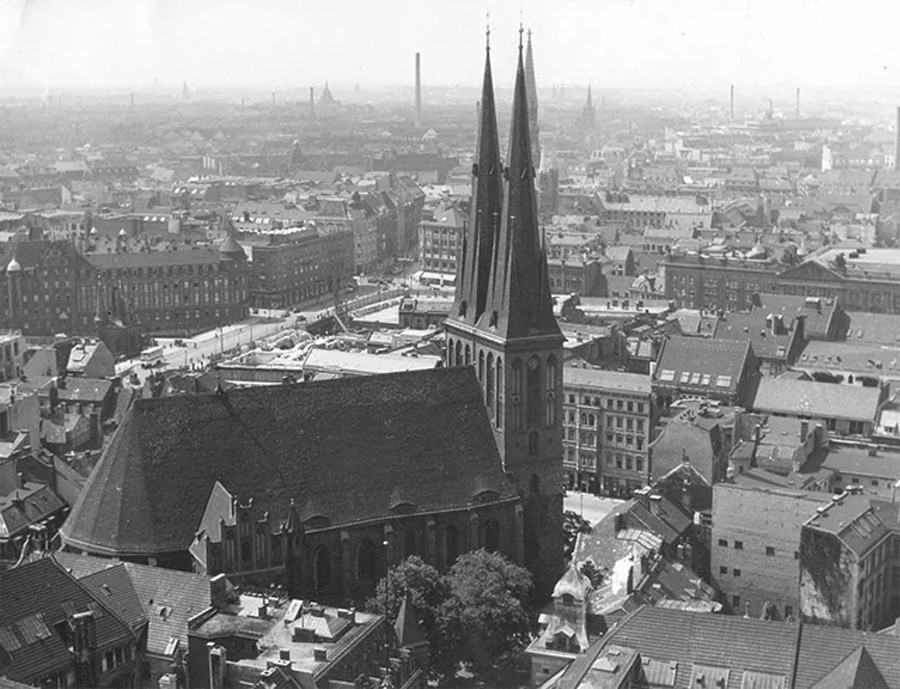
x=502 y=323
x=589 y=113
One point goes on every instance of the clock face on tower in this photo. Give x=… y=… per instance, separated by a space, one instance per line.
x=533 y=363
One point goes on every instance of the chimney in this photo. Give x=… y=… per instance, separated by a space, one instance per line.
x=418 y=90
x=217 y=591
x=320 y=655
x=20 y=480
x=312 y=103
x=218 y=660
x=732 y=101
x=804 y=430
x=798 y=102
x=284 y=654
x=655 y=501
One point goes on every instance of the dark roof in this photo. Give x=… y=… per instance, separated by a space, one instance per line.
x=718 y=362
x=819 y=312
x=25 y=506
x=421 y=437
x=752 y=328
x=93 y=390
x=39 y=594
x=31 y=254
x=168 y=598
x=113 y=586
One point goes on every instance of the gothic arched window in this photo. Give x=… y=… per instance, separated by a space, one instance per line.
x=366 y=561
x=468 y=355
x=481 y=367
x=533 y=444
x=321 y=567
x=490 y=535
x=459 y=356
x=533 y=383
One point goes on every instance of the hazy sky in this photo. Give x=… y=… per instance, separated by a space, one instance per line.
x=298 y=43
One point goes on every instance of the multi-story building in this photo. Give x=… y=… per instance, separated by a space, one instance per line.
x=850 y=563
x=607 y=420
x=440 y=241
x=300 y=265
x=180 y=292
x=12 y=349
x=755 y=553
x=860 y=280
x=718 y=370
x=50 y=288
x=576 y=275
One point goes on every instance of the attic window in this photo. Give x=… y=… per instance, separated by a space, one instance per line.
x=667 y=376
x=724 y=381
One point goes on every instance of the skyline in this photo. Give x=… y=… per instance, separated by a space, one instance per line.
x=694 y=45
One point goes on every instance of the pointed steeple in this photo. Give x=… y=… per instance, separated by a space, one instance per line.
x=486 y=206
x=531 y=93
x=520 y=304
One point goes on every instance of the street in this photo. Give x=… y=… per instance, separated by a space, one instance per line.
x=591 y=507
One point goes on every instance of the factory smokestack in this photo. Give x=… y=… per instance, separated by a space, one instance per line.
x=418 y=90
x=732 y=101
x=798 y=101
x=312 y=103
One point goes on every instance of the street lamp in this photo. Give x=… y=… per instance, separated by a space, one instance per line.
x=387 y=598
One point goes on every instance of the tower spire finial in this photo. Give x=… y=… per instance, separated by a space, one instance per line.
x=521 y=29
x=487 y=31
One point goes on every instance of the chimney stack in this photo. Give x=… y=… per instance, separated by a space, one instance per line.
x=312 y=103
x=418 y=90
x=732 y=101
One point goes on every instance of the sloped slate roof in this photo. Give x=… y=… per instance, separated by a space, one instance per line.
x=44 y=588
x=339 y=448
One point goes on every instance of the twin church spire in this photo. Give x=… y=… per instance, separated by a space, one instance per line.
x=503 y=285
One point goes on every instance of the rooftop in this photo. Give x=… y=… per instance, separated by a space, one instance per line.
x=606 y=380
x=716 y=365
x=820 y=400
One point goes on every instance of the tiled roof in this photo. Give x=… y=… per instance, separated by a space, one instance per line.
x=819 y=400
x=824 y=649
x=25 y=506
x=856 y=671
x=819 y=312
x=43 y=588
x=859 y=521
x=686 y=640
x=113 y=586
x=168 y=598
x=425 y=432
x=752 y=328
x=871 y=328
x=872 y=359
x=690 y=362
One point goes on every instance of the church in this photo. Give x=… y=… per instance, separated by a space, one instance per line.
x=321 y=486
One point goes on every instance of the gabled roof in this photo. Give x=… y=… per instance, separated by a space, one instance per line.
x=705 y=365
x=425 y=431
x=113 y=586
x=34 y=598
x=856 y=671
x=26 y=506
x=406 y=626
x=168 y=598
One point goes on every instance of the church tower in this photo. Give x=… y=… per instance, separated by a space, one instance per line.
x=502 y=323
x=531 y=95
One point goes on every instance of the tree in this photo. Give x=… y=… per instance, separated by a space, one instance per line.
x=573 y=524
x=428 y=593
x=486 y=612
x=592 y=572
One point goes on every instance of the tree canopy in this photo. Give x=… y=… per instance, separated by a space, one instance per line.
x=476 y=614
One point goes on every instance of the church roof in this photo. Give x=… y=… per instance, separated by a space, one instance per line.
x=426 y=431
x=230 y=249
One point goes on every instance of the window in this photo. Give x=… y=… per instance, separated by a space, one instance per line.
x=619 y=405
x=788 y=611
x=770 y=551
x=737 y=572
x=609 y=403
x=640 y=409
x=639 y=463
x=738 y=545
x=735 y=602
x=631 y=406
x=723 y=570
x=796 y=554
x=723 y=542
